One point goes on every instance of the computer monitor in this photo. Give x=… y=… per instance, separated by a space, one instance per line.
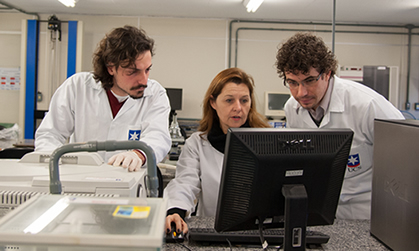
x=175 y=98
x=275 y=102
x=288 y=178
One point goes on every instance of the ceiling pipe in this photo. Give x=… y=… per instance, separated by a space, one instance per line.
x=333 y=26
x=20 y=10
x=409 y=27
x=305 y=30
x=304 y=23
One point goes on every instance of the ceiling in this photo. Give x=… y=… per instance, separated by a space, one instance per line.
x=398 y=12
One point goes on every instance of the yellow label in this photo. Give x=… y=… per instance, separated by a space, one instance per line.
x=134 y=212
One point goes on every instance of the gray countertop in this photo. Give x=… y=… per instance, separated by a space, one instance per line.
x=344 y=235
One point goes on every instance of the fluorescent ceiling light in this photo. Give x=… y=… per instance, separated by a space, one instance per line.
x=252 y=5
x=69 y=3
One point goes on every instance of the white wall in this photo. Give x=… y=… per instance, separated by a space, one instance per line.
x=190 y=52
x=10 y=33
x=257 y=50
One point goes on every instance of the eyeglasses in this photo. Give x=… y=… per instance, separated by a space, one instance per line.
x=309 y=82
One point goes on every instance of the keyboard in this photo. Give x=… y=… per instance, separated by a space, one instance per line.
x=272 y=236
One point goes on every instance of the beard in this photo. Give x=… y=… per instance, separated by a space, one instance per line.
x=137 y=96
x=140 y=92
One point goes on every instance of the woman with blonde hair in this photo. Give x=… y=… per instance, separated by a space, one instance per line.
x=229 y=103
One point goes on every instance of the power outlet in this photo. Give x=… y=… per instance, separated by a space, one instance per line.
x=39 y=97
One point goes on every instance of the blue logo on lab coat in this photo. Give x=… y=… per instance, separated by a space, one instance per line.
x=354 y=162
x=134 y=134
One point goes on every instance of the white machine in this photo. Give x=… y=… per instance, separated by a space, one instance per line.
x=73 y=223
x=74 y=201
x=81 y=173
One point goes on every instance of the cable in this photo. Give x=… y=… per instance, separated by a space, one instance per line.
x=229 y=244
x=183 y=245
x=262 y=239
x=410 y=114
x=139 y=188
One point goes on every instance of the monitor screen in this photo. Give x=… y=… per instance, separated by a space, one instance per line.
x=275 y=102
x=175 y=98
x=260 y=164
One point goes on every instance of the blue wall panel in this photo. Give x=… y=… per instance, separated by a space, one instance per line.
x=31 y=75
x=72 y=48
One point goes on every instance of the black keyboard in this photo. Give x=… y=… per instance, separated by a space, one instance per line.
x=272 y=236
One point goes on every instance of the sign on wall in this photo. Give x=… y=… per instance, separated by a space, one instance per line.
x=9 y=78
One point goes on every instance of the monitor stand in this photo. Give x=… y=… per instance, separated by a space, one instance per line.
x=295 y=217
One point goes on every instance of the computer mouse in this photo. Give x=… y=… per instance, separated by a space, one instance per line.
x=174 y=236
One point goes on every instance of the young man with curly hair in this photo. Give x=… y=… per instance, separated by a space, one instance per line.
x=320 y=99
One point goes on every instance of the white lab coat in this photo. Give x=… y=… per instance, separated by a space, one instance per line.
x=198 y=175
x=353 y=106
x=80 y=110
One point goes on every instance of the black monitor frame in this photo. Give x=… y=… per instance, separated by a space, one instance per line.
x=175 y=98
x=288 y=178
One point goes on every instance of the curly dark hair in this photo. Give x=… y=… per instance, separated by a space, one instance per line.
x=303 y=51
x=120 y=47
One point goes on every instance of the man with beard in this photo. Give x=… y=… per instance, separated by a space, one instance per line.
x=107 y=103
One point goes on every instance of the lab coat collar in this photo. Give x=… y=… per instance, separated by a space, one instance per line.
x=337 y=99
x=91 y=82
x=336 y=102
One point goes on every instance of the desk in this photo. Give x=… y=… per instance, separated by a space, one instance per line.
x=25 y=143
x=344 y=235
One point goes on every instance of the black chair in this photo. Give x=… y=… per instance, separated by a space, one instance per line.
x=15 y=152
x=160 y=178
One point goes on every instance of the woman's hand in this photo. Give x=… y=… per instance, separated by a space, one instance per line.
x=181 y=226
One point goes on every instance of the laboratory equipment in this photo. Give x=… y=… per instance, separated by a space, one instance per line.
x=274 y=104
x=174 y=129
x=110 y=145
x=177 y=139
x=74 y=222
x=82 y=173
x=383 y=79
x=64 y=223
x=377 y=78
